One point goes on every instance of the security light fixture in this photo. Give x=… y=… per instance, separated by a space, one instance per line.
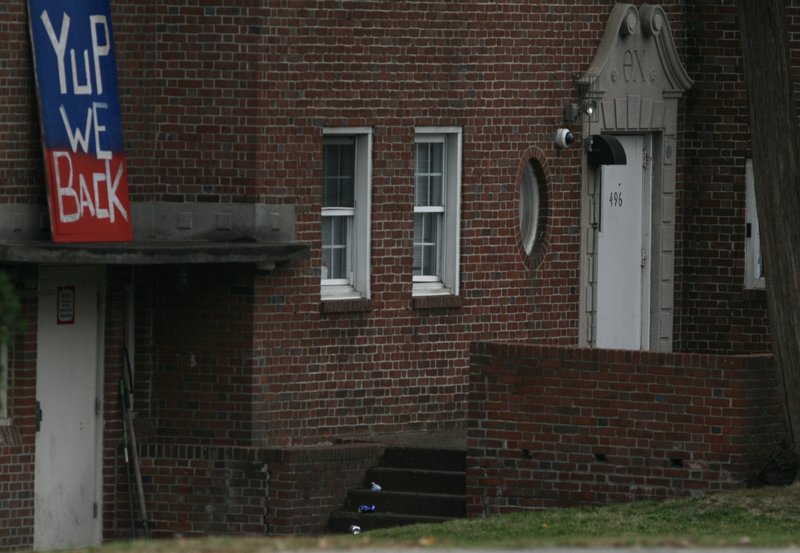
x=573 y=112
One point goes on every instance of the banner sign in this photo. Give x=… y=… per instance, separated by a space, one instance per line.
x=76 y=81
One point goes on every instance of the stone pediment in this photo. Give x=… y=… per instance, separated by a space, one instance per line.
x=636 y=80
x=636 y=57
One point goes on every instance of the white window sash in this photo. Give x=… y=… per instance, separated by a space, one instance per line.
x=357 y=285
x=338 y=211
x=449 y=232
x=342 y=213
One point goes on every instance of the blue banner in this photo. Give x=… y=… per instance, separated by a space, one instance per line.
x=76 y=81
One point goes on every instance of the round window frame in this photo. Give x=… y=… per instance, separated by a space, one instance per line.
x=530 y=207
x=538 y=234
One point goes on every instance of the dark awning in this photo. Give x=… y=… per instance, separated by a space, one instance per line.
x=156 y=252
x=605 y=149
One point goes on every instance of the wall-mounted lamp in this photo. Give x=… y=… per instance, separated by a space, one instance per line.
x=573 y=112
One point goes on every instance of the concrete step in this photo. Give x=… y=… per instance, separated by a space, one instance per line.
x=425 y=458
x=418 y=485
x=418 y=480
x=410 y=503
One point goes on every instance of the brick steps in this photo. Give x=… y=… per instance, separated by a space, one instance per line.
x=419 y=480
x=419 y=485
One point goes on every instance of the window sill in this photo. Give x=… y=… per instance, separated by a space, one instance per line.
x=753 y=294
x=348 y=305
x=439 y=301
x=755 y=286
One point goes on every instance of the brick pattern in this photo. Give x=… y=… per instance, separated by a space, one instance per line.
x=17 y=441
x=195 y=374
x=199 y=490
x=196 y=490
x=308 y=484
x=117 y=281
x=21 y=168
x=714 y=312
x=561 y=426
x=225 y=102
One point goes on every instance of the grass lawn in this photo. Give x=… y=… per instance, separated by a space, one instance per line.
x=765 y=517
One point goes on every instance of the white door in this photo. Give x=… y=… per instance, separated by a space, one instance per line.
x=622 y=291
x=66 y=481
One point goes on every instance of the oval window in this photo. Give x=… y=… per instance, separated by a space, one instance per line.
x=528 y=207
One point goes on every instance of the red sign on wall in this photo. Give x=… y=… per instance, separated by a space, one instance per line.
x=76 y=82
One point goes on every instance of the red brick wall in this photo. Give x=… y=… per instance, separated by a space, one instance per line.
x=714 y=312
x=196 y=490
x=21 y=168
x=17 y=440
x=308 y=484
x=562 y=426
x=225 y=102
x=117 y=279
x=194 y=356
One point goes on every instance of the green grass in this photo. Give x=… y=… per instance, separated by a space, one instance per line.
x=765 y=517
x=768 y=517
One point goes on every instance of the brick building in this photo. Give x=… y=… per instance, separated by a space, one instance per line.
x=331 y=200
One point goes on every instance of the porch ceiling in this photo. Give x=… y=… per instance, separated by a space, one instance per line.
x=153 y=252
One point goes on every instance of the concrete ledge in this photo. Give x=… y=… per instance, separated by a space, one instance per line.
x=153 y=253
x=170 y=221
x=164 y=233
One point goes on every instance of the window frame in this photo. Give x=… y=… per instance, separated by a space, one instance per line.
x=753 y=255
x=446 y=281
x=357 y=284
x=529 y=207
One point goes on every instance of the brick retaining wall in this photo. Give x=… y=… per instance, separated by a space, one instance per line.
x=551 y=426
x=201 y=490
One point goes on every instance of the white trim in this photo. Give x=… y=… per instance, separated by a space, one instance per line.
x=647 y=233
x=448 y=283
x=422 y=131
x=433 y=288
x=358 y=283
x=529 y=201
x=753 y=266
x=338 y=211
x=429 y=209
x=349 y=131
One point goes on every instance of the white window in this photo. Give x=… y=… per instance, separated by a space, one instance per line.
x=754 y=267
x=346 y=186
x=437 y=199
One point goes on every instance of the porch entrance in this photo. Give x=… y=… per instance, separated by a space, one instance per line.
x=67 y=464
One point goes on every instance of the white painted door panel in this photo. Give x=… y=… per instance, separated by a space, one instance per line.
x=622 y=288
x=66 y=472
